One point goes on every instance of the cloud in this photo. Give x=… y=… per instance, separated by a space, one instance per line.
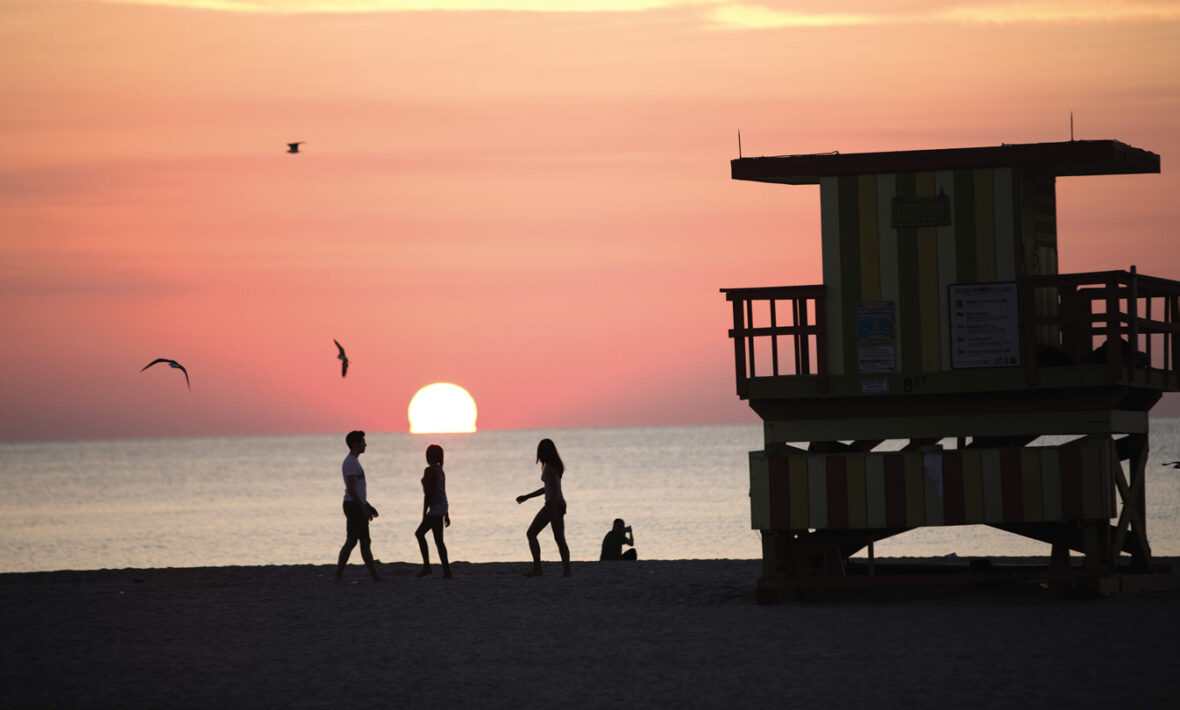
x=774 y=16
x=739 y=15
x=1055 y=11
x=37 y=274
x=748 y=15
x=295 y=7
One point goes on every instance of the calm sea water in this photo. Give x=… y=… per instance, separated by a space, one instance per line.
x=276 y=500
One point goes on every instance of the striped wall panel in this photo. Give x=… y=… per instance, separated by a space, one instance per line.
x=868 y=217
x=993 y=501
x=911 y=489
x=797 y=503
x=954 y=492
x=984 y=225
x=866 y=259
x=934 y=488
x=948 y=267
x=817 y=490
x=1004 y=201
x=888 y=255
x=875 y=491
x=929 y=297
x=829 y=213
x=760 y=493
x=857 y=484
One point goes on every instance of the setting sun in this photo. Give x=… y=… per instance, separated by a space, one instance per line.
x=442 y=408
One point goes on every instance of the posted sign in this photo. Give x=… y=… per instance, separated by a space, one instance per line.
x=876 y=344
x=985 y=325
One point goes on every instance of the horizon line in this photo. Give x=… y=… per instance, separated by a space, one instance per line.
x=724 y=14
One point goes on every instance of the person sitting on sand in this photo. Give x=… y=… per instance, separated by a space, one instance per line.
x=612 y=544
x=357 y=511
x=553 y=512
x=435 y=513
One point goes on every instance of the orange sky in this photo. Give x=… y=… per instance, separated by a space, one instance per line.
x=533 y=205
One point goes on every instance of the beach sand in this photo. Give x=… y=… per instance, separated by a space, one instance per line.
x=681 y=633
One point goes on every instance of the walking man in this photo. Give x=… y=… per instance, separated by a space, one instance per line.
x=357 y=511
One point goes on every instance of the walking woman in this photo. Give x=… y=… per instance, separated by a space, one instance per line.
x=434 y=510
x=553 y=512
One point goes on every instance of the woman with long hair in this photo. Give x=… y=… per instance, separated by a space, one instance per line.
x=553 y=512
x=435 y=512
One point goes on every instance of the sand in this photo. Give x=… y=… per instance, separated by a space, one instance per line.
x=647 y=634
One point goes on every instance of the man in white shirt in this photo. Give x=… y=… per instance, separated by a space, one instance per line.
x=357 y=510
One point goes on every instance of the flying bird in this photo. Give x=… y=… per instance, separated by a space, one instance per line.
x=294 y=147
x=171 y=363
x=343 y=358
x=1173 y=464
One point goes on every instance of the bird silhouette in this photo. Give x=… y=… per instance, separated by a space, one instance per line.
x=171 y=363
x=343 y=358
x=294 y=147
x=1173 y=464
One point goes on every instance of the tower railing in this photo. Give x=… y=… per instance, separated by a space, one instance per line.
x=1121 y=319
x=787 y=319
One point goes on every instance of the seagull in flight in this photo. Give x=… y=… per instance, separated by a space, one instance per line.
x=1173 y=464
x=294 y=147
x=343 y=358
x=171 y=363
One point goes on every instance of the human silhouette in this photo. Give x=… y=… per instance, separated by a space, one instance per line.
x=612 y=545
x=553 y=512
x=435 y=512
x=357 y=511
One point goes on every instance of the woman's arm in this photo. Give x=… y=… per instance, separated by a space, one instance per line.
x=534 y=494
x=426 y=482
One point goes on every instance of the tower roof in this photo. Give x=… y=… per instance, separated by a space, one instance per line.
x=1102 y=157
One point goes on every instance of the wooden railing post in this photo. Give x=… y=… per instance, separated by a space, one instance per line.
x=1147 y=299
x=750 y=336
x=802 y=339
x=799 y=369
x=1167 y=344
x=1133 y=316
x=773 y=339
x=739 y=349
x=1026 y=296
x=1114 y=312
x=821 y=349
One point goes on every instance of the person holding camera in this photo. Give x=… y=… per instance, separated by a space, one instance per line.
x=612 y=544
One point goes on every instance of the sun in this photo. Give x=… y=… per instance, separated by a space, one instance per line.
x=441 y=408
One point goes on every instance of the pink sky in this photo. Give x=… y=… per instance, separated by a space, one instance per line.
x=533 y=205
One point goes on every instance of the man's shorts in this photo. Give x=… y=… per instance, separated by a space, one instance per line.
x=358 y=520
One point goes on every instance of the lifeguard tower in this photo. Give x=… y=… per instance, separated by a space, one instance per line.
x=915 y=385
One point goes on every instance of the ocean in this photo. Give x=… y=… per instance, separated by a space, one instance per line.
x=261 y=500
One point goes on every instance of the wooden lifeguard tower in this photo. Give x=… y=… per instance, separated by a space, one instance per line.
x=911 y=388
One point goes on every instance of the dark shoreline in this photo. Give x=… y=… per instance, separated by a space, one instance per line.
x=682 y=633
x=948 y=560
